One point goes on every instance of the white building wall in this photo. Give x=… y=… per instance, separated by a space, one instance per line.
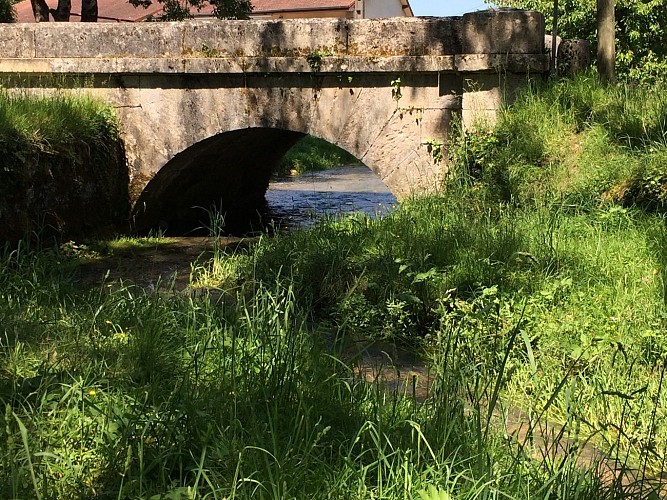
x=383 y=8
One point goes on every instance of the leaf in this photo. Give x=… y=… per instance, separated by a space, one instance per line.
x=409 y=298
x=24 y=438
x=421 y=277
x=529 y=353
x=433 y=493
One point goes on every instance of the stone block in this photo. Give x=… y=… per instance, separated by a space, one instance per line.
x=62 y=40
x=502 y=63
x=403 y=36
x=503 y=31
x=16 y=41
x=265 y=38
x=574 y=57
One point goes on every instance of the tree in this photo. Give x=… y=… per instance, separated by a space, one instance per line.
x=177 y=10
x=641 y=27
x=41 y=11
x=7 y=12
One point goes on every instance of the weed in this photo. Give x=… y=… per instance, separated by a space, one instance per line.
x=314 y=58
x=435 y=148
x=396 y=93
x=208 y=51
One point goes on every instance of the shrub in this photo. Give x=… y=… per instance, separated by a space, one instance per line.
x=7 y=12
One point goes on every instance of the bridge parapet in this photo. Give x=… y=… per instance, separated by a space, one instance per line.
x=484 y=41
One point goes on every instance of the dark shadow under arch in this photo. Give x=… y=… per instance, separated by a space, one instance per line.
x=229 y=171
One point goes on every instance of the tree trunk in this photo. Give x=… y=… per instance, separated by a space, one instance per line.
x=554 y=40
x=606 y=41
x=40 y=10
x=88 y=11
x=62 y=13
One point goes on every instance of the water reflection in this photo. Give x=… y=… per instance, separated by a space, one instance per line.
x=302 y=200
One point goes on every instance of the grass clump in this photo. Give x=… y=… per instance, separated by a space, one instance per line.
x=573 y=142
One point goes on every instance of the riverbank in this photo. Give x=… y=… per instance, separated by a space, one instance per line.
x=535 y=283
x=62 y=168
x=311 y=154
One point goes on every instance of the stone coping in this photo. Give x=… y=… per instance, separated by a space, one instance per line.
x=485 y=32
x=463 y=63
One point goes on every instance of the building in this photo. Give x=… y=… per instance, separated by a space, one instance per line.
x=123 y=11
x=349 y=9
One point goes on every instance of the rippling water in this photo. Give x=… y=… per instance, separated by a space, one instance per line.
x=301 y=200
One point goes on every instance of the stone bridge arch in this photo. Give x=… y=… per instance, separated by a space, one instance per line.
x=204 y=103
x=192 y=149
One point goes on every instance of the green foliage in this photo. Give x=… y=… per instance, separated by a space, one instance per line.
x=178 y=10
x=7 y=12
x=546 y=306
x=208 y=51
x=641 y=25
x=314 y=58
x=647 y=183
x=572 y=141
x=435 y=148
x=150 y=395
x=311 y=154
x=396 y=93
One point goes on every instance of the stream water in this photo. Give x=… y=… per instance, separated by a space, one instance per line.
x=301 y=200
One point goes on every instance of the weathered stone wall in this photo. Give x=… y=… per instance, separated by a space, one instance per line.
x=208 y=107
x=72 y=190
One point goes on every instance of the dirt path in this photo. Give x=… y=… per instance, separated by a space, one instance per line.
x=165 y=264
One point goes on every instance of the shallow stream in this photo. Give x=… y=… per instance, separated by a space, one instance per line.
x=301 y=200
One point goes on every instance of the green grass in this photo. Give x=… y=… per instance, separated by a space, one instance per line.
x=311 y=154
x=534 y=284
x=118 y=393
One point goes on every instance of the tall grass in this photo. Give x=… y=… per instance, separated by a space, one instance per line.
x=116 y=393
x=60 y=119
x=536 y=301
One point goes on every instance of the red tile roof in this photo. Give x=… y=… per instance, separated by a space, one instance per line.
x=108 y=11
x=271 y=6
x=291 y=5
x=123 y=11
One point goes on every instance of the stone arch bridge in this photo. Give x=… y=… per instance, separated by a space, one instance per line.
x=208 y=108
